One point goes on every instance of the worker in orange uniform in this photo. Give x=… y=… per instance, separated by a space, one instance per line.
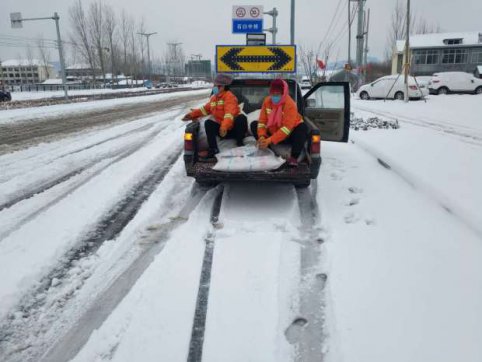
x=280 y=122
x=226 y=121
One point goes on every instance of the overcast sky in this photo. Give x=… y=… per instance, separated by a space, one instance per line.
x=200 y=25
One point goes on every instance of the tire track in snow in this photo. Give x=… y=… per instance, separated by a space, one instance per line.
x=106 y=229
x=199 y=323
x=72 y=342
x=306 y=331
x=424 y=188
x=46 y=185
x=66 y=176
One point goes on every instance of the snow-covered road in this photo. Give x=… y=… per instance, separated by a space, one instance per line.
x=108 y=252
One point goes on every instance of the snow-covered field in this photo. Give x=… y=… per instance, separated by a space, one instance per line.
x=393 y=249
x=22 y=96
x=36 y=113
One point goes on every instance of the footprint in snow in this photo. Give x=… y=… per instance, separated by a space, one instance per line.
x=294 y=331
x=351 y=218
x=352 y=202
x=355 y=190
x=370 y=221
x=335 y=176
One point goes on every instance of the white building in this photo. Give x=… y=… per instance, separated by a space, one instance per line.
x=24 y=71
x=440 y=52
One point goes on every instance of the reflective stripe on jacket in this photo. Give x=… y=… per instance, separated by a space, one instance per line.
x=291 y=118
x=223 y=106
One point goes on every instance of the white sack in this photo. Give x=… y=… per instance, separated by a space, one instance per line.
x=247 y=158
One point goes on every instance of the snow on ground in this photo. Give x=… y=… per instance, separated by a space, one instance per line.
x=36 y=113
x=252 y=295
x=28 y=252
x=447 y=113
x=404 y=275
x=402 y=246
x=438 y=149
x=405 y=244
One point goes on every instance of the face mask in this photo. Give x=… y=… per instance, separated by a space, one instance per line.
x=276 y=99
x=215 y=90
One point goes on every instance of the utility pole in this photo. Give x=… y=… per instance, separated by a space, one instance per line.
x=349 y=32
x=365 y=62
x=359 y=37
x=407 y=52
x=273 y=30
x=17 y=22
x=292 y=22
x=147 y=35
x=173 y=55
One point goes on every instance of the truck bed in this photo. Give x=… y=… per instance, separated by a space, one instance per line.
x=203 y=171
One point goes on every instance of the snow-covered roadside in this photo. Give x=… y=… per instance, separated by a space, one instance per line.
x=404 y=275
x=443 y=165
x=446 y=112
x=36 y=113
x=21 y=96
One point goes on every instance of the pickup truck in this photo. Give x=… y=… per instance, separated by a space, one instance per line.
x=325 y=109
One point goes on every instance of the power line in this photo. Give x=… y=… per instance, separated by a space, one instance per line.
x=331 y=22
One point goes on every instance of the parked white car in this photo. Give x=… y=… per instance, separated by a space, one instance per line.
x=305 y=83
x=391 y=87
x=455 y=82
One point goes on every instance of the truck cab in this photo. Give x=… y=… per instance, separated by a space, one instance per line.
x=325 y=109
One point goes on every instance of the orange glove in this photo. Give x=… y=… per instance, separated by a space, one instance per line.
x=223 y=132
x=187 y=117
x=264 y=142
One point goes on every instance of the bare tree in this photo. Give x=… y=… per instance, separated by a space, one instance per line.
x=96 y=30
x=81 y=37
x=307 y=57
x=398 y=26
x=44 y=54
x=111 y=34
x=126 y=29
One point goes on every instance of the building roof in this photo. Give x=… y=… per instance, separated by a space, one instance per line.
x=437 y=40
x=79 y=66
x=21 y=62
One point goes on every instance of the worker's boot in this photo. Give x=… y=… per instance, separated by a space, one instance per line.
x=210 y=156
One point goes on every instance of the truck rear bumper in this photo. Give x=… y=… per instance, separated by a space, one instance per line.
x=302 y=174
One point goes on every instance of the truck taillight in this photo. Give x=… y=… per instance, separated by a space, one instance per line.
x=412 y=87
x=315 y=143
x=188 y=142
x=435 y=81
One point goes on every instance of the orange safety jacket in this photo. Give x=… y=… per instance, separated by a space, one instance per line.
x=223 y=106
x=290 y=119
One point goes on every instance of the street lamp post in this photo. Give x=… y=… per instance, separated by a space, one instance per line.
x=147 y=35
x=273 y=30
x=16 y=21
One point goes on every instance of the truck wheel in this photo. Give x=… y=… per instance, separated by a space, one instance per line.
x=303 y=185
x=478 y=90
x=443 y=90
x=364 y=95
x=399 y=96
x=206 y=184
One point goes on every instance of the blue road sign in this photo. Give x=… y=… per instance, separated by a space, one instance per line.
x=245 y=26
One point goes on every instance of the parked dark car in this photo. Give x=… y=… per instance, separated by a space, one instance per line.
x=5 y=96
